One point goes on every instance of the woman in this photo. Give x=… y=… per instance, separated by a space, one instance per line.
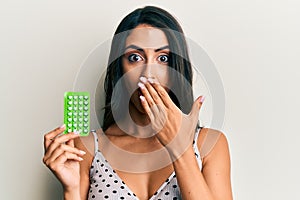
x=149 y=49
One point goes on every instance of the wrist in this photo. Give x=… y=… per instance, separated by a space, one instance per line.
x=183 y=157
x=178 y=150
x=72 y=193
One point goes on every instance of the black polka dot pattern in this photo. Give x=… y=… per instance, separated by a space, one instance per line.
x=106 y=184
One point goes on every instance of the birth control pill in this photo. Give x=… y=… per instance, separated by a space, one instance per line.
x=76 y=112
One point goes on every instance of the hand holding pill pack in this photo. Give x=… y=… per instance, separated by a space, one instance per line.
x=77 y=112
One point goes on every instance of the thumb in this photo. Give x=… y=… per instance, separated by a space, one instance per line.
x=196 y=106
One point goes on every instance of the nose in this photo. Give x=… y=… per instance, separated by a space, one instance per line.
x=147 y=70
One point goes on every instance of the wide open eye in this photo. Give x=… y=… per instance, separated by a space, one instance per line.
x=163 y=58
x=134 y=58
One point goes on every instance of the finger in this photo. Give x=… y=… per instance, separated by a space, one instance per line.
x=196 y=106
x=161 y=92
x=64 y=148
x=64 y=158
x=146 y=94
x=60 y=140
x=51 y=135
x=71 y=142
x=146 y=107
x=156 y=98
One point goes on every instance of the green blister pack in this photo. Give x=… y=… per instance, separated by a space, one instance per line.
x=77 y=112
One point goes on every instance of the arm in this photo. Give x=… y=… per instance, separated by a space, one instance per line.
x=175 y=133
x=213 y=183
x=84 y=169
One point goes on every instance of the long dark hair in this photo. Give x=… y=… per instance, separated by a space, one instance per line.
x=178 y=57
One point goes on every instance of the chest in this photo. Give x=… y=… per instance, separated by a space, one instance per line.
x=145 y=185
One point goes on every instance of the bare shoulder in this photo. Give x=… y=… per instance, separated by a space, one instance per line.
x=212 y=143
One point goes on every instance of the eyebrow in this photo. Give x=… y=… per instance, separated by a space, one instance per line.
x=142 y=50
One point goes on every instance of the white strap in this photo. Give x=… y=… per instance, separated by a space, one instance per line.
x=95 y=140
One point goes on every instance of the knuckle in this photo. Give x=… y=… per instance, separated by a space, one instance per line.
x=65 y=155
x=151 y=103
x=44 y=160
x=46 y=137
x=155 y=98
x=47 y=163
x=62 y=147
x=161 y=93
x=52 y=166
x=56 y=141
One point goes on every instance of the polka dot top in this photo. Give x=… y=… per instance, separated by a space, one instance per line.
x=106 y=184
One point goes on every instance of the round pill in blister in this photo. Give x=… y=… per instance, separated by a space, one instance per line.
x=69 y=125
x=70 y=113
x=69 y=130
x=80 y=113
x=86 y=102
x=80 y=97
x=85 y=108
x=80 y=102
x=85 y=119
x=69 y=119
x=80 y=119
x=80 y=108
x=80 y=125
x=85 y=114
x=75 y=102
x=75 y=113
x=85 y=124
x=74 y=125
x=86 y=97
x=75 y=108
x=69 y=108
x=70 y=102
x=70 y=97
x=75 y=97
x=85 y=130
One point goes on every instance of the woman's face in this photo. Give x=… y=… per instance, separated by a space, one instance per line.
x=146 y=54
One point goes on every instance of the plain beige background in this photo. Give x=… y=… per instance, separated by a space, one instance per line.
x=254 y=45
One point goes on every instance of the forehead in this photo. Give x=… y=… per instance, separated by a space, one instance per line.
x=147 y=37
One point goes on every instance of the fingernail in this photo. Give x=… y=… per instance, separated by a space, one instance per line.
x=143 y=79
x=202 y=99
x=62 y=126
x=79 y=158
x=141 y=85
x=82 y=152
x=142 y=98
x=151 y=80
